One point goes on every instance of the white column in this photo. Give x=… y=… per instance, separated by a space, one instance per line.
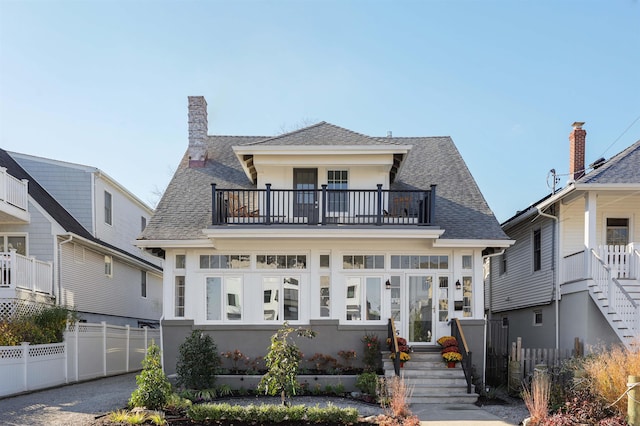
x=589 y=228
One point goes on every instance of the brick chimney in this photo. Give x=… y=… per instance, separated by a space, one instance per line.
x=198 y=128
x=577 y=139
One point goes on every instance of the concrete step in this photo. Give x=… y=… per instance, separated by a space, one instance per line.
x=460 y=398
x=426 y=374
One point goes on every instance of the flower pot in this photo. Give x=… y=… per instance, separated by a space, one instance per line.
x=451 y=364
x=401 y=364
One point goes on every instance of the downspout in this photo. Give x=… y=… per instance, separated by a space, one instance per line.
x=68 y=240
x=555 y=282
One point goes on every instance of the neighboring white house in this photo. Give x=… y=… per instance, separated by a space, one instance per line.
x=66 y=238
x=574 y=270
x=324 y=227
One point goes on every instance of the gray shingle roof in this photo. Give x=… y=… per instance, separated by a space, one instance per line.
x=461 y=210
x=623 y=167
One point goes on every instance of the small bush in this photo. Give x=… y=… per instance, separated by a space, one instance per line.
x=198 y=361
x=153 y=389
x=43 y=327
x=367 y=383
x=269 y=414
x=372 y=355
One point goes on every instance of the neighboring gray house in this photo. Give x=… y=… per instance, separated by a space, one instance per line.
x=66 y=234
x=575 y=267
x=320 y=227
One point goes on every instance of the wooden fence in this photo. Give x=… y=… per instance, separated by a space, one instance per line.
x=524 y=361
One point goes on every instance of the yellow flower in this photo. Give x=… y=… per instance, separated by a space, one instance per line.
x=452 y=357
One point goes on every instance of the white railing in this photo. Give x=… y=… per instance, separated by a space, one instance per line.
x=13 y=191
x=88 y=351
x=620 y=302
x=617 y=259
x=18 y=271
x=635 y=263
x=573 y=267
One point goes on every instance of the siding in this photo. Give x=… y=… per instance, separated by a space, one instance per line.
x=40 y=241
x=70 y=186
x=521 y=286
x=85 y=286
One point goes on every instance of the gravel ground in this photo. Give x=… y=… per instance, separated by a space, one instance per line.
x=82 y=403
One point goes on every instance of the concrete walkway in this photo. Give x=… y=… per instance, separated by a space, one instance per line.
x=79 y=404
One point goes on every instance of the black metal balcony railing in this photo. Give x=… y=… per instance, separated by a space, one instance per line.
x=322 y=206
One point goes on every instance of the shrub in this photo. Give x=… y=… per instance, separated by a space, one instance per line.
x=584 y=408
x=536 y=398
x=372 y=355
x=153 y=387
x=608 y=371
x=45 y=326
x=269 y=414
x=198 y=361
x=282 y=361
x=367 y=383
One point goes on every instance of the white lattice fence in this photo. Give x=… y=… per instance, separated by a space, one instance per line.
x=12 y=308
x=89 y=351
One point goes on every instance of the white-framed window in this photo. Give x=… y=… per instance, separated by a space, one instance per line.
x=325 y=260
x=108 y=266
x=179 y=296
x=225 y=261
x=281 y=298
x=503 y=263
x=467 y=261
x=363 y=298
x=443 y=298
x=338 y=201
x=10 y=242
x=505 y=322
x=537 y=249
x=108 y=208
x=143 y=284
x=281 y=261
x=181 y=261
x=419 y=262
x=223 y=298
x=325 y=296
x=537 y=317
x=363 y=261
x=467 y=299
x=617 y=231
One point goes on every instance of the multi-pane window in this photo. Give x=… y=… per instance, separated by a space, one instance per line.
x=280 y=298
x=617 y=231
x=13 y=242
x=143 y=283
x=419 y=262
x=364 y=299
x=537 y=317
x=537 y=250
x=338 y=201
x=363 y=262
x=443 y=299
x=281 y=261
x=467 y=293
x=224 y=298
x=108 y=208
x=179 y=296
x=108 y=266
x=225 y=261
x=325 y=296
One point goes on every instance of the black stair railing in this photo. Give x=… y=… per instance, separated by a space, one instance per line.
x=458 y=333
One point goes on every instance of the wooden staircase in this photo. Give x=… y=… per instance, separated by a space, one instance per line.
x=430 y=379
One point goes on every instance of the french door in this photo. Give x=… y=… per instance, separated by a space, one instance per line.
x=305 y=182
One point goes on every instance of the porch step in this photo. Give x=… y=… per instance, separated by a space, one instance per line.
x=430 y=380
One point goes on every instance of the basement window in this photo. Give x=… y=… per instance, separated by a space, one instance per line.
x=537 y=317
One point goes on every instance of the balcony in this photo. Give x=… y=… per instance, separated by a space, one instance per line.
x=623 y=261
x=13 y=199
x=27 y=273
x=323 y=206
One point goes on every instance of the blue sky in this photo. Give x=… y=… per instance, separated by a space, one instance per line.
x=105 y=83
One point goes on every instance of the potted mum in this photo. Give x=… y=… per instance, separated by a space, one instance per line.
x=450 y=352
x=403 y=348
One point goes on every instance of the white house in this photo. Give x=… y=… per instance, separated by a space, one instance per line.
x=320 y=227
x=66 y=238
